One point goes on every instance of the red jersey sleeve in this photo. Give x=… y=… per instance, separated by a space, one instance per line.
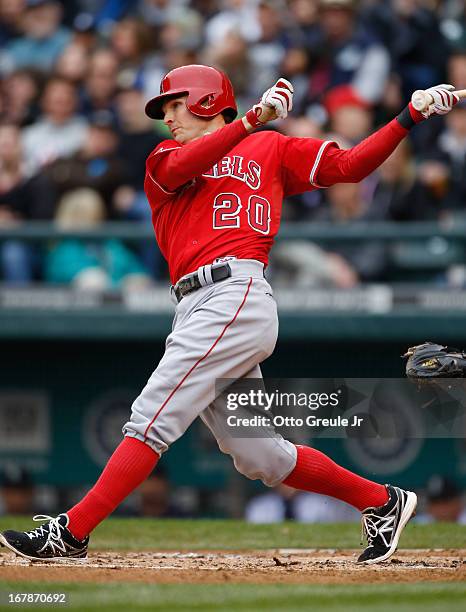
x=300 y=160
x=196 y=157
x=158 y=193
x=353 y=165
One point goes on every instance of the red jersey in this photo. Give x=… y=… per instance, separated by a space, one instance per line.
x=234 y=208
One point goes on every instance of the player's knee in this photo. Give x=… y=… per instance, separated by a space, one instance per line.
x=141 y=426
x=257 y=470
x=271 y=464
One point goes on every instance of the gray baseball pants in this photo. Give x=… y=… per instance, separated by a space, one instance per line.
x=220 y=331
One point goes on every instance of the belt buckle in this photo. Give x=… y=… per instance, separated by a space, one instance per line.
x=225 y=271
x=191 y=283
x=186 y=286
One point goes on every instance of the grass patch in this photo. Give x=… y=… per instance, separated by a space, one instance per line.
x=428 y=597
x=172 y=534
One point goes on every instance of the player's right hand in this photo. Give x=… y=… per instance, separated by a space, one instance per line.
x=443 y=100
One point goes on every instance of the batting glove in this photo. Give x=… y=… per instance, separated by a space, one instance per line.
x=275 y=102
x=444 y=100
x=280 y=98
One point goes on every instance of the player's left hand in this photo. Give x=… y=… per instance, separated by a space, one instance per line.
x=275 y=103
x=444 y=100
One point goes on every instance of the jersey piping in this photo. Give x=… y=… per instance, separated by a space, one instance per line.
x=317 y=161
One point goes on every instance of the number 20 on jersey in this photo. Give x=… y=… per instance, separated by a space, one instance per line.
x=227 y=207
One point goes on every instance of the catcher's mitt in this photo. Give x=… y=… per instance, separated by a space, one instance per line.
x=430 y=360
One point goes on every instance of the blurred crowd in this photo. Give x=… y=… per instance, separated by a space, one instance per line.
x=74 y=77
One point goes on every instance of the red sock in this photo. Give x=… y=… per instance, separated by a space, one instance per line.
x=130 y=464
x=316 y=472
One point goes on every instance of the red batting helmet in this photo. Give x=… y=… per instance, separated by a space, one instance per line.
x=209 y=91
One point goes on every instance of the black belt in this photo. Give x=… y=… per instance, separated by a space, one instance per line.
x=191 y=283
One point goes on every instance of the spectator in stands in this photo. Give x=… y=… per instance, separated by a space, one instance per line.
x=96 y=165
x=85 y=32
x=344 y=204
x=231 y=55
x=174 y=44
x=11 y=12
x=300 y=263
x=157 y=12
x=457 y=69
x=43 y=39
x=301 y=37
x=267 y=53
x=401 y=195
x=21 y=198
x=104 y=13
x=155 y=499
x=235 y=16
x=301 y=127
x=88 y=264
x=73 y=63
x=348 y=56
x=445 y=502
x=452 y=19
x=17 y=491
x=182 y=29
x=20 y=97
x=137 y=135
x=350 y=118
x=101 y=83
x=285 y=503
x=409 y=29
x=60 y=132
x=449 y=153
x=305 y=17
x=301 y=207
x=132 y=41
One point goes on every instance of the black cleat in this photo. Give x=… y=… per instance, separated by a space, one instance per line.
x=49 y=542
x=382 y=526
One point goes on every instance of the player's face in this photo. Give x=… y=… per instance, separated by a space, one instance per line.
x=183 y=125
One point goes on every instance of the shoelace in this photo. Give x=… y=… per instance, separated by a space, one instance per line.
x=53 y=528
x=369 y=529
x=373 y=526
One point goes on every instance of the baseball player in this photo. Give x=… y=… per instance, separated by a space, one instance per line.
x=216 y=193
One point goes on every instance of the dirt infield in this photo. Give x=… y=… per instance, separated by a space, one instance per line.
x=290 y=566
